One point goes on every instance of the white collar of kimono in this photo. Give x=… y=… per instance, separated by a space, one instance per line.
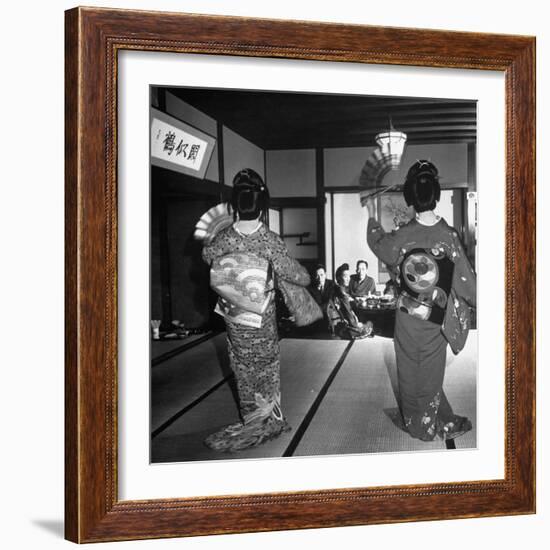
x=249 y=233
x=422 y=222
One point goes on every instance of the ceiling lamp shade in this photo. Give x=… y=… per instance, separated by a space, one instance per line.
x=385 y=157
x=392 y=145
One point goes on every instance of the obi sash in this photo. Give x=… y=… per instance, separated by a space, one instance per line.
x=243 y=282
x=426 y=276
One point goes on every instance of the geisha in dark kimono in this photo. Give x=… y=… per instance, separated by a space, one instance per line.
x=437 y=286
x=343 y=320
x=252 y=338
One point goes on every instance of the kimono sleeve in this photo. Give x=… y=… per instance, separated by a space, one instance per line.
x=284 y=265
x=386 y=246
x=464 y=277
x=213 y=250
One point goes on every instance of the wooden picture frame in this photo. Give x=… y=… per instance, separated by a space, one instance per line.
x=93 y=39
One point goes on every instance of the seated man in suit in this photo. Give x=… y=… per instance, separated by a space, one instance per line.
x=361 y=284
x=321 y=288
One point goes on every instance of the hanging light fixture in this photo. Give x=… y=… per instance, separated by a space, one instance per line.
x=392 y=145
x=383 y=159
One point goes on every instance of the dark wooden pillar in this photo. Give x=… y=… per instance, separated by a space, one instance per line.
x=320 y=181
x=221 y=165
x=166 y=296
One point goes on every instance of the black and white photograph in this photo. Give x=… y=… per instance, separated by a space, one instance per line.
x=312 y=274
x=232 y=314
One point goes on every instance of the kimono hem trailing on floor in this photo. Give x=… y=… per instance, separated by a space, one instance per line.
x=254 y=353
x=420 y=342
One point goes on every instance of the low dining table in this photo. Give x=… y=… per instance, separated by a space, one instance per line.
x=380 y=312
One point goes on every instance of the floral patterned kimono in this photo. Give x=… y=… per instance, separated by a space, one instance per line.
x=437 y=287
x=254 y=353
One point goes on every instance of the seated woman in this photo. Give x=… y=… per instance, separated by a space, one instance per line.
x=342 y=319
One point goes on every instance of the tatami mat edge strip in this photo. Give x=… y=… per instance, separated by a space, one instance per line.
x=187 y=408
x=184 y=347
x=313 y=409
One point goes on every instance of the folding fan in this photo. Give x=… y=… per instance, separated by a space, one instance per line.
x=386 y=157
x=212 y=222
x=376 y=167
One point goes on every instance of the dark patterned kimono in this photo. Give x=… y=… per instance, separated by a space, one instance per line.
x=254 y=353
x=437 y=286
x=342 y=299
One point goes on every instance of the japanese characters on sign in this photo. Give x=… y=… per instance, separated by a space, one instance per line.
x=174 y=145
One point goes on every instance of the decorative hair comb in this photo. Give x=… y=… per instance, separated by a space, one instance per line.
x=423 y=167
x=251 y=185
x=249 y=178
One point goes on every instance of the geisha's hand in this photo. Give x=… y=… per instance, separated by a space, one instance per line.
x=371 y=207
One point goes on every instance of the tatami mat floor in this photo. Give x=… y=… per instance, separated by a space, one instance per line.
x=163 y=347
x=179 y=381
x=355 y=416
x=304 y=371
x=338 y=399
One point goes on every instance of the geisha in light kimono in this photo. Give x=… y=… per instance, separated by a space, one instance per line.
x=245 y=258
x=437 y=288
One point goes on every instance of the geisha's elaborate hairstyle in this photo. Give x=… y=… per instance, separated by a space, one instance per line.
x=422 y=189
x=250 y=196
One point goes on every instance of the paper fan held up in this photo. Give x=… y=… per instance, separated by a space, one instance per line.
x=386 y=157
x=376 y=167
x=212 y=222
